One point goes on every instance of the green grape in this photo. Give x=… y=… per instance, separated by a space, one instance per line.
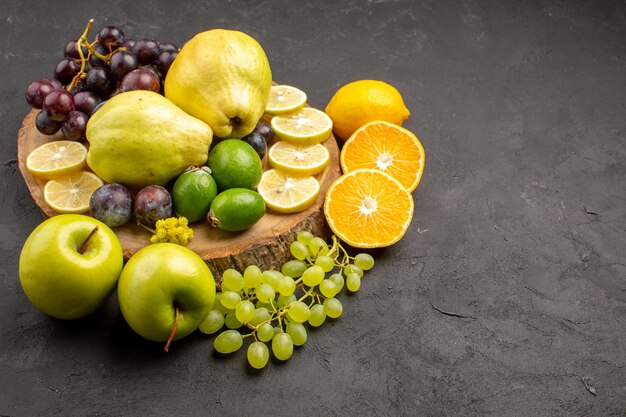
x=265 y=293
x=328 y=288
x=338 y=280
x=353 y=282
x=298 y=311
x=285 y=300
x=267 y=306
x=304 y=236
x=212 y=322
x=261 y=314
x=231 y=321
x=318 y=246
x=217 y=304
x=278 y=330
x=271 y=277
x=230 y=299
x=313 y=276
x=333 y=307
x=325 y=262
x=318 y=315
x=232 y=280
x=282 y=346
x=258 y=355
x=245 y=311
x=364 y=261
x=265 y=332
x=293 y=268
x=299 y=250
x=228 y=341
x=286 y=286
x=348 y=269
x=298 y=333
x=252 y=276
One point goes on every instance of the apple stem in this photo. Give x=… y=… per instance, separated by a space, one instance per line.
x=171 y=339
x=83 y=246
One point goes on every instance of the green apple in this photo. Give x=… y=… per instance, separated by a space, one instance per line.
x=165 y=291
x=69 y=265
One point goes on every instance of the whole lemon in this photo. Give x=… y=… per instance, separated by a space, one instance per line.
x=364 y=101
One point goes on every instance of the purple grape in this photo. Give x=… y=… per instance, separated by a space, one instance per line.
x=112 y=204
x=164 y=61
x=37 y=91
x=265 y=130
x=86 y=102
x=71 y=50
x=146 y=51
x=121 y=63
x=129 y=44
x=54 y=82
x=141 y=79
x=94 y=60
x=66 y=69
x=257 y=141
x=79 y=87
x=99 y=81
x=111 y=37
x=168 y=47
x=58 y=104
x=46 y=125
x=75 y=125
x=152 y=203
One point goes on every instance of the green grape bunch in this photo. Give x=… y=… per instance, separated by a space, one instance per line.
x=273 y=308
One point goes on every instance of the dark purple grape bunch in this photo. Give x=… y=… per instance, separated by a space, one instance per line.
x=261 y=136
x=114 y=205
x=92 y=72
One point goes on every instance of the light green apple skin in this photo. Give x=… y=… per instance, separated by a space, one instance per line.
x=59 y=280
x=156 y=280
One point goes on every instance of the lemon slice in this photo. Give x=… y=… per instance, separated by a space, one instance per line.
x=285 y=99
x=298 y=159
x=56 y=159
x=71 y=194
x=286 y=193
x=307 y=126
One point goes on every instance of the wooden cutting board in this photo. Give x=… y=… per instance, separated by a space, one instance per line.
x=266 y=244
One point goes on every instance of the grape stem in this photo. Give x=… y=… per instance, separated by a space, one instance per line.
x=80 y=42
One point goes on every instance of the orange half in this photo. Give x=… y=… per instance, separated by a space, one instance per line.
x=368 y=208
x=386 y=147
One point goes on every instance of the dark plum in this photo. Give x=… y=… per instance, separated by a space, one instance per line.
x=111 y=37
x=152 y=203
x=86 y=102
x=121 y=63
x=112 y=204
x=143 y=78
x=45 y=125
x=37 y=91
x=58 y=104
x=265 y=130
x=146 y=51
x=75 y=125
x=257 y=141
x=66 y=69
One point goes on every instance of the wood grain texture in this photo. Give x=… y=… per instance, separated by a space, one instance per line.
x=265 y=244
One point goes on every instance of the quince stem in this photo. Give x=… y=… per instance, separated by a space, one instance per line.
x=171 y=339
x=83 y=246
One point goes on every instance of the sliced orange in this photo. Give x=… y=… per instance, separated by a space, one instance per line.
x=368 y=208
x=386 y=147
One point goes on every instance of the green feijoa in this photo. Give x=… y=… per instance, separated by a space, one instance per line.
x=236 y=209
x=193 y=192
x=235 y=164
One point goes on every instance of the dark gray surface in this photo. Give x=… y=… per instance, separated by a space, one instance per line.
x=518 y=234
